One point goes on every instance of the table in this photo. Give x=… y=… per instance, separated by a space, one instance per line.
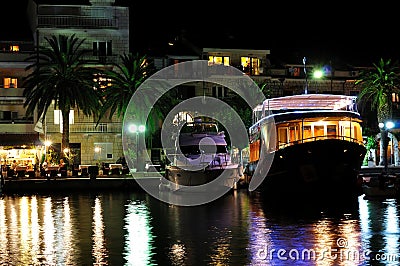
x=116 y=168
x=21 y=170
x=84 y=169
x=115 y=165
x=52 y=170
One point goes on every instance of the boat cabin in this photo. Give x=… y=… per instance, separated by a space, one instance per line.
x=287 y=121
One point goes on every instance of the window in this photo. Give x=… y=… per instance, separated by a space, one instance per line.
x=219 y=92
x=102 y=48
x=218 y=60
x=58 y=117
x=10 y=82
x=331 y=130
x=251 y=65
x=14 y=48
x=103 y=151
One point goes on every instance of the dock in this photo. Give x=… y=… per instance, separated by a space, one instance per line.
x=126 y=182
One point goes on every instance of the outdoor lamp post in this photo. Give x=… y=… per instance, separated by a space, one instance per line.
x=305 y=73
x=47 y=144
x=133 y=128
x=385 y=127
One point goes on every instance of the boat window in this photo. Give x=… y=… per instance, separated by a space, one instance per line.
x=307 y=132
x=319 y=131
x=331 y=130
x=283 y=136
x=207 y=149
x=294 y=133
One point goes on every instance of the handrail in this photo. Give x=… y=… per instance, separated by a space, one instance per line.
x=316 y=138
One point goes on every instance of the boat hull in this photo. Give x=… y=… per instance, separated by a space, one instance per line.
x=320 y=168
x=179 y=179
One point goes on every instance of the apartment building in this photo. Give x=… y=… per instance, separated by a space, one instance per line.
x=105 y=28
x=19 y=141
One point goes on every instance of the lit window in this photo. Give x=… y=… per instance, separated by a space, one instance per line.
x=10 y=83
x=58 y=117
x=250 y=65
x=14 y=48
x=395 y=97
x=103 y=151
x=218 y=60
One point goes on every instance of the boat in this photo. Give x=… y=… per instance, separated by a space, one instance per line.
x=381 y=186
x=305 y=145
x=201 y=156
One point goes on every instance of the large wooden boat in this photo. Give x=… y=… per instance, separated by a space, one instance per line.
x=305 y=145
x=201 y=157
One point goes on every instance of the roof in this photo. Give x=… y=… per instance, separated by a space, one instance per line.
x=19 y=139
x=309 y=101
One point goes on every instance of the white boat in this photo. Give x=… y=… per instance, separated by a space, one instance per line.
x=203 y=158
x=306 y=144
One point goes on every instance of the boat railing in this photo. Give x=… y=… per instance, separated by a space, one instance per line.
x=282 y=144
x=205 y=159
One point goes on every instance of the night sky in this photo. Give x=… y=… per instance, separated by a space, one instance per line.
x=323 y=32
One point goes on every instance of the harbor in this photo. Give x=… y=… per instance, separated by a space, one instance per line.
x=126 y=182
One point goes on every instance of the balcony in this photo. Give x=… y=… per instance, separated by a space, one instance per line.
x=88 y=128
x=76 y=22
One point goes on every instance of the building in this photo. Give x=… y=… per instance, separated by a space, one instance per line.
x=105 y=28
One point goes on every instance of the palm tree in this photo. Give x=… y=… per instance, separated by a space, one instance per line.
x=61 y=75
x=125 y=79
x=377 y=86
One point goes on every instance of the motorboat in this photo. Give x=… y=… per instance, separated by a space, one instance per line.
x=201 y=156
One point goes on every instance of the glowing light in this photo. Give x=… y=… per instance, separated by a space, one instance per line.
x=139 y=238
x=318 y=74
x=389 y=125
x=99 y=251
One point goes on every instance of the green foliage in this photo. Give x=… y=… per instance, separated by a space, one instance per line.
x=60 y=75
x=377 y=85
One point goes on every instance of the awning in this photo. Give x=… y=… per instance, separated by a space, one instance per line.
x=16 y=139
x=309 y=101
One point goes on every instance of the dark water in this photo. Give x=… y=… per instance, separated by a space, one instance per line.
x=237 y=229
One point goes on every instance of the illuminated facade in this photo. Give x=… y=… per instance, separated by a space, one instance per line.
x=105 y=28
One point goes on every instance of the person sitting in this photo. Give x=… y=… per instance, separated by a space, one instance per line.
x=12 y=170
x=62 y=168
x=43 y=169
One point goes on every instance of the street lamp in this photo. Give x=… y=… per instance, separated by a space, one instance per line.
x=385 y=127
x=305 y=73
x=133 y=128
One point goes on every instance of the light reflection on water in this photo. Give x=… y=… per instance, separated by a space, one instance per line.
x=238 y=229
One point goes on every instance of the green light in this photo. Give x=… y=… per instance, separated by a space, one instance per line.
x=318 y=74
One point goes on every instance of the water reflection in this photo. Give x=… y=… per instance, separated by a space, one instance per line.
x=139 y=236
x=99 y=251
x=380 y=230
x=301 y=233
x=237 y=229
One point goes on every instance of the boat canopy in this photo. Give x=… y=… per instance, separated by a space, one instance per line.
x=305 y=102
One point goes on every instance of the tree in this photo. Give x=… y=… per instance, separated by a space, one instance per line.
x=61 y=75
x=124 y=79
x=377 y=86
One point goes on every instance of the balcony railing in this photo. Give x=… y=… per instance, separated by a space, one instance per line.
x=115 y=127
x=76 y=22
